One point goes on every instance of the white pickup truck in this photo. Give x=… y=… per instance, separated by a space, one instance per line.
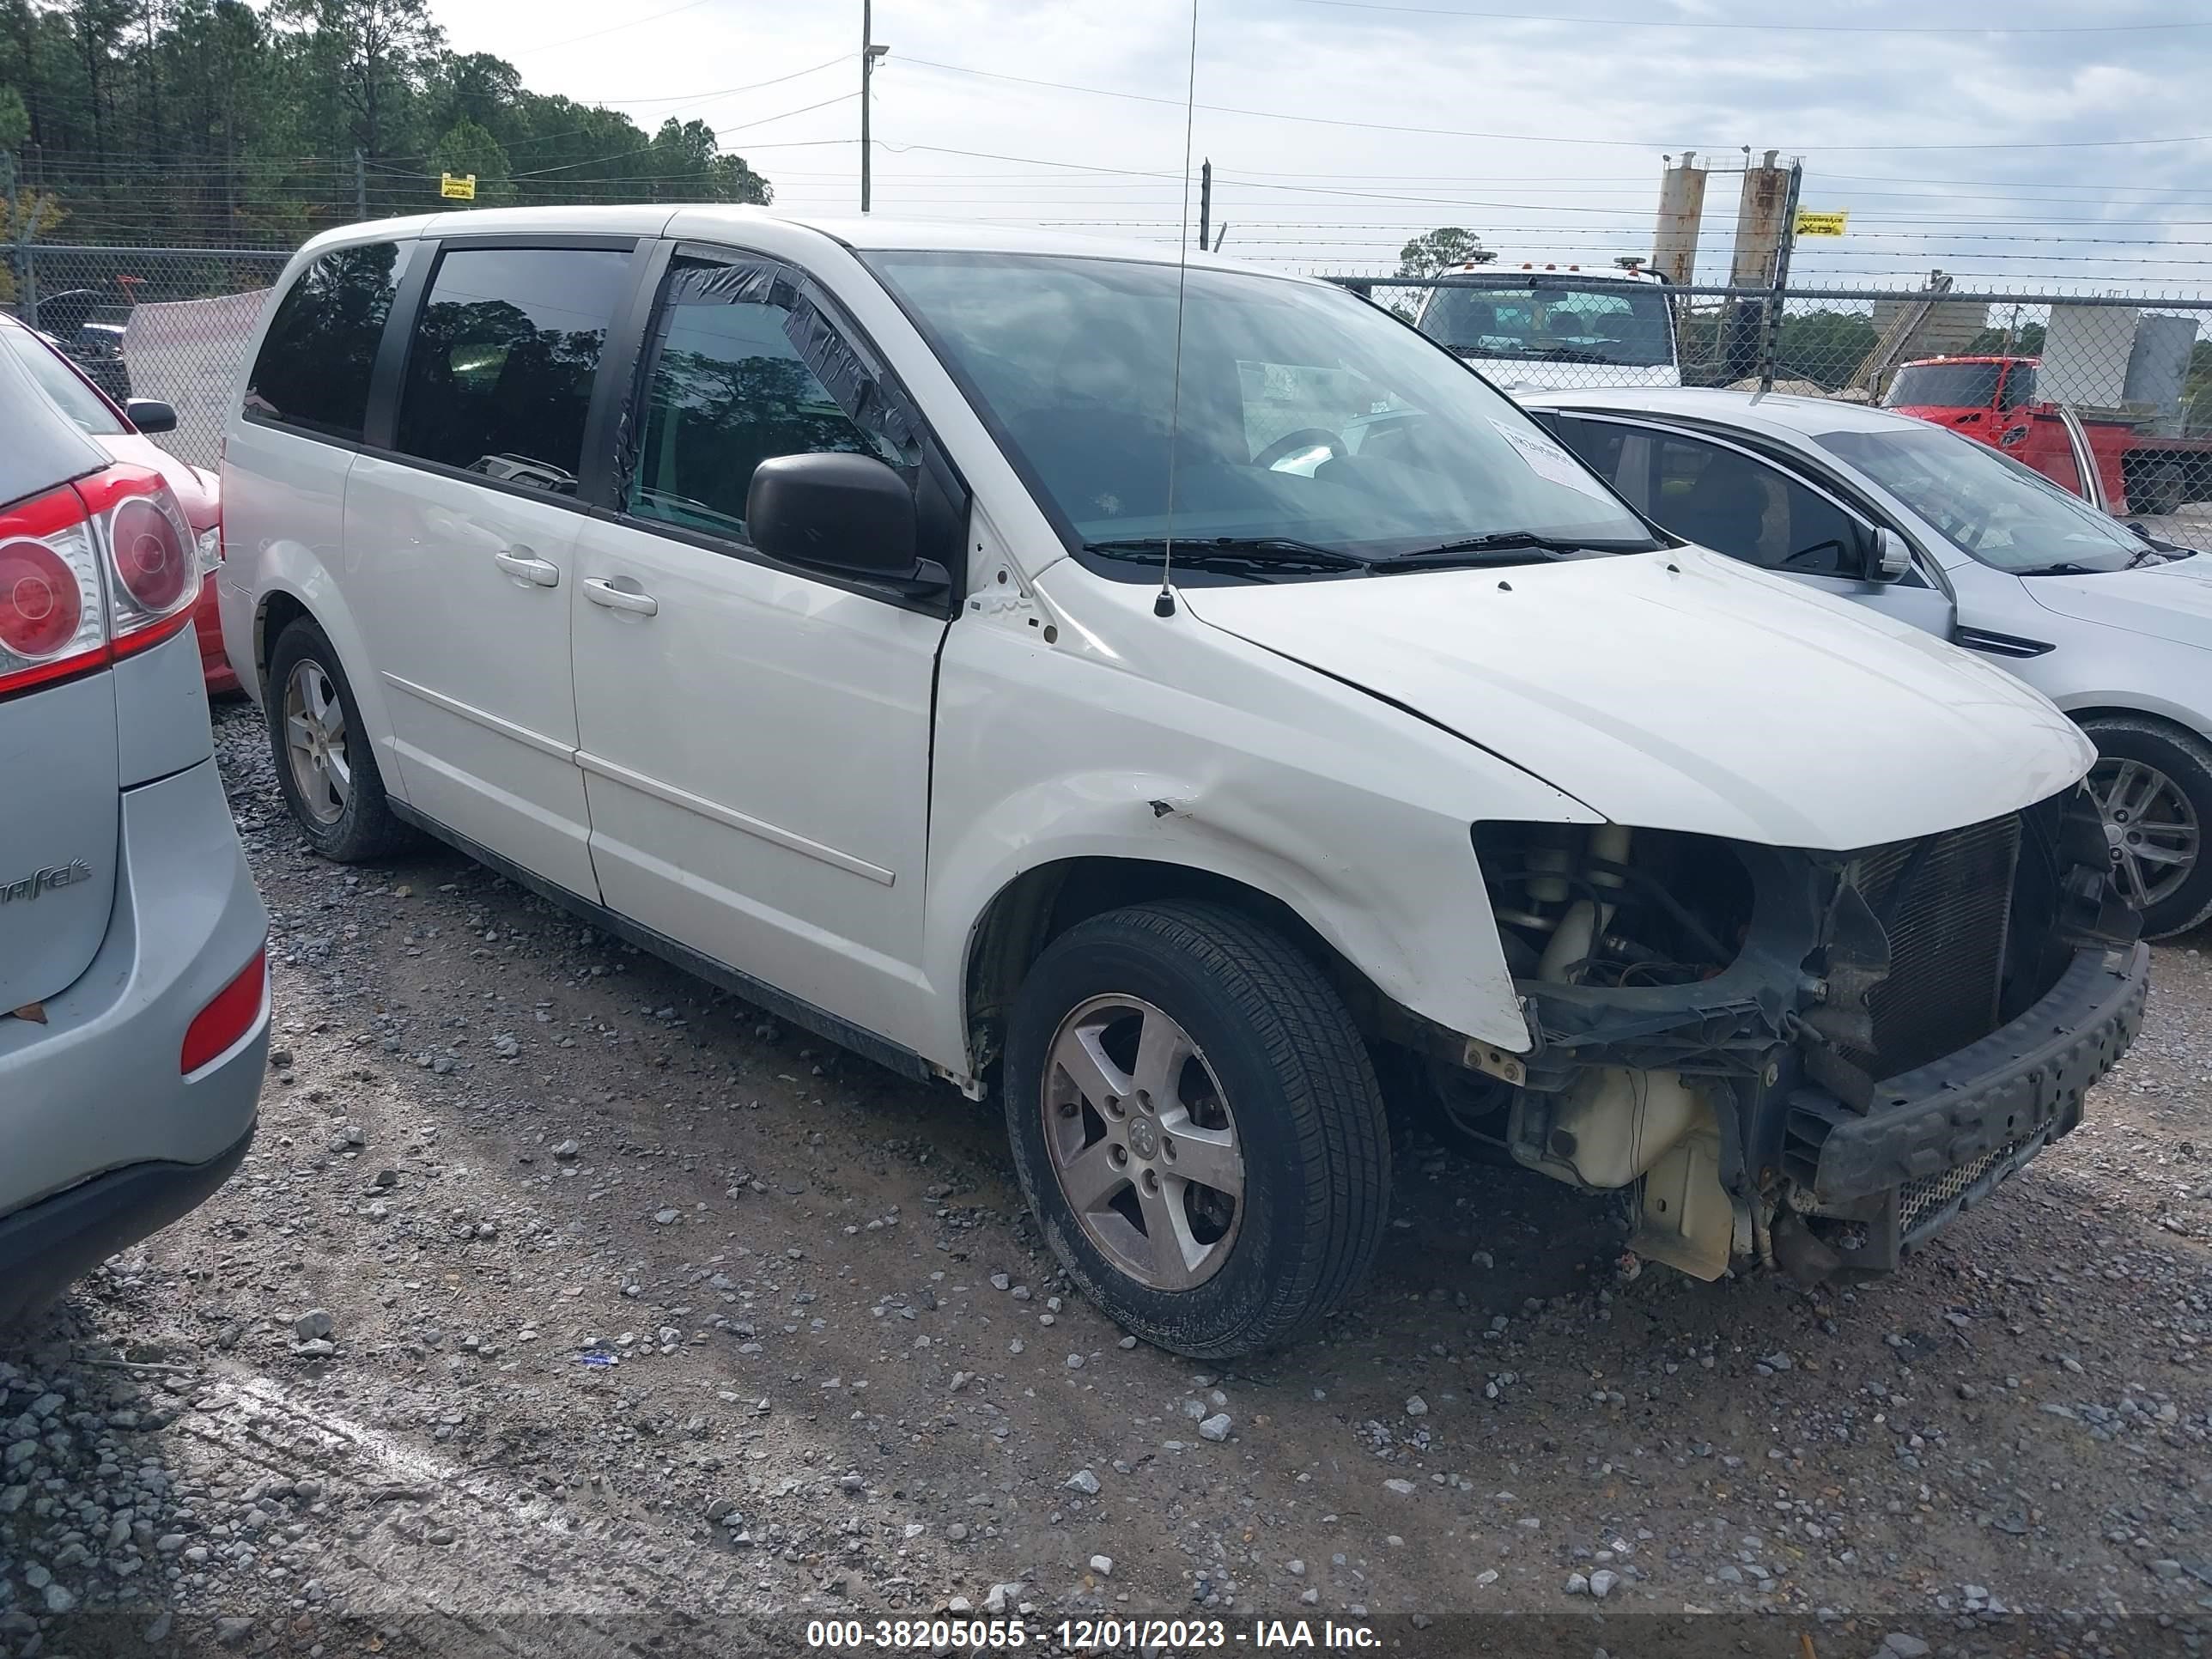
x=1542 y=325
x=887 y=622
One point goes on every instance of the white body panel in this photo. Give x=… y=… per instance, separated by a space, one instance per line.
x=1670 y=690
x=755 y=757
x=474 y=660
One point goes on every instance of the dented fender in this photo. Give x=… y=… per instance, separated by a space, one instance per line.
x=1126 y=735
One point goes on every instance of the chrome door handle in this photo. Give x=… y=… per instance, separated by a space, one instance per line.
x=600 y=591
x=523 y=567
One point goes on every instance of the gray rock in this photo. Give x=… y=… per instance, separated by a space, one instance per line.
x=1601 y=1582
x=1403 y=1488
x=1216 y=1427
x=1083 y=1482
x=1578 y=1584
x=1103 y=1566
x=1898 y=1646
x=1417 y=1406
x=314 y=1323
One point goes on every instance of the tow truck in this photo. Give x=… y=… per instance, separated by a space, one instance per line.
x=2106 y=456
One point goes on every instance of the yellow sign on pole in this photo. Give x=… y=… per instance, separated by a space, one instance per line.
x=457 y=189
x=1810 y=223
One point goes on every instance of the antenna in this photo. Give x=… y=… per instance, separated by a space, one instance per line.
x=1163 y=603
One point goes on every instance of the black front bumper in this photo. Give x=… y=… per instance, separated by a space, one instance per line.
x=1962 y=1122
x=44 y=1246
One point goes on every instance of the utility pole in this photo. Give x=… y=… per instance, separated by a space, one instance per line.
x=1204 y=203
x=869 y=52
x=360 y=184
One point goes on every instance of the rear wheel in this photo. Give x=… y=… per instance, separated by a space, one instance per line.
x=325 y=765
x=2153 y=783
x=1196 y=1127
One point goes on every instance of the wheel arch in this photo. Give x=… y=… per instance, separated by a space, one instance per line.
x=286 y=599
x=1043 y=902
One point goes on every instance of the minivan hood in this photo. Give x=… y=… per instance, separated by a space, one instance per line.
x=1681 y=690
x=2170 y=601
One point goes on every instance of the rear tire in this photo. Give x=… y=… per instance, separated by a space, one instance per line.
x=2130 y=749
x=1191 y=1024
x=339 y=805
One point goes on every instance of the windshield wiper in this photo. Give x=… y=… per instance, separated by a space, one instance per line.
x=1505 y=547
x=2064 y=567
x=1282 y=554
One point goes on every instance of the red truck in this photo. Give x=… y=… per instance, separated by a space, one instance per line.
x=1994 y=399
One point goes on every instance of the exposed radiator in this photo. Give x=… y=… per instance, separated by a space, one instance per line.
x=1946 y=901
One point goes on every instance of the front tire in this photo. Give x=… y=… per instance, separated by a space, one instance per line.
x=325 y=765
x=2154 y=786
x=1196 y=1127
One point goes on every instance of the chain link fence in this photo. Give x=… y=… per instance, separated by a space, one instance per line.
x=2109 y=396
x=149 y=322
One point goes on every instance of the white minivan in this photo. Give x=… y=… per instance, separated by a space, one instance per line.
x=798 y=601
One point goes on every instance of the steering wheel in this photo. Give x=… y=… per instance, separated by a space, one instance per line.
x=1306 y=437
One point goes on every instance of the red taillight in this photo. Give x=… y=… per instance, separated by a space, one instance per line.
x=53 y=621
x=229 y=1017
x=90 y=572
x=150 y=555
x=40 y=608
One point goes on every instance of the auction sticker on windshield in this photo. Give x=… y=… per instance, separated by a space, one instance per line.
x=1548 y=461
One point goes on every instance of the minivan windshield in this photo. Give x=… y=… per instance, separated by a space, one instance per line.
x=1550 y=321
x=1312 y=431
x=2004 y=514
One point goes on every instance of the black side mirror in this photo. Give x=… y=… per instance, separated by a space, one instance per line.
x=150 y=414
x=847 y=514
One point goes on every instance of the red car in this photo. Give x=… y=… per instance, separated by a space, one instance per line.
x=122 y=433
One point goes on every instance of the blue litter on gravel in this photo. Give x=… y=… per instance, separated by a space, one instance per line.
x=601 y=1360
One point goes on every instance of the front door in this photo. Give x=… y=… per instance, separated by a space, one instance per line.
x=466 y=525
x=1727 y=498
x=754 y=740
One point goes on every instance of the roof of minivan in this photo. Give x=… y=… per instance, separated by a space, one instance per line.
x=867 y=232
x=1775 y=411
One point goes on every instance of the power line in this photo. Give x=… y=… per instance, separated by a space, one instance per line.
x=1784 y=28
x=1530 y=137
x=570 y=166
x=616 y=29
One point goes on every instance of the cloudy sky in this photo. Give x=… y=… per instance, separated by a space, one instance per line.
x=1337 y=128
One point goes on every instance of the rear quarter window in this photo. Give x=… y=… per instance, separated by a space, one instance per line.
x=313 y=368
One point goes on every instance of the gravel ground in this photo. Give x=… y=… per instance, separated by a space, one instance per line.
x=568 y=1305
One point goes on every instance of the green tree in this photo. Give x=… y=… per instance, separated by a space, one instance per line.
x=1438 y=250
x=467 y=148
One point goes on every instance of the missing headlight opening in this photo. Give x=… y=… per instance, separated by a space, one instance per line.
x=1808 y=1059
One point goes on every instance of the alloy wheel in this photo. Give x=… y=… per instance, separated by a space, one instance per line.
x=1143 y=1142
x=2150 y=827
x=315 y=742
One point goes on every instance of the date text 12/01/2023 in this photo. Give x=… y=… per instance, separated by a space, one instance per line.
x=1086 y=1635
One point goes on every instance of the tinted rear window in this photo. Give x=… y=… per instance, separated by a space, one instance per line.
x=500 y=371
x=314 y=364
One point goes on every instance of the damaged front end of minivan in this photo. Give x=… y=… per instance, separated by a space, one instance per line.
x=1808 y=1059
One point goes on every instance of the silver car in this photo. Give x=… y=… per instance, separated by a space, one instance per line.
x=1950 y=536
x=134 y=982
